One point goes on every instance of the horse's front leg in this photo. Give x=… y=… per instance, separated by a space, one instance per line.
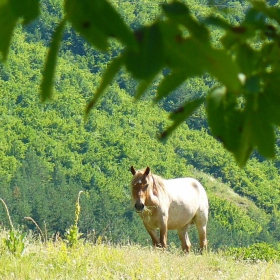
x=153 y=234
x=163 y=236
x=163 y=231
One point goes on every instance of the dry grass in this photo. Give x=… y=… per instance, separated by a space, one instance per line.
x=56 y=261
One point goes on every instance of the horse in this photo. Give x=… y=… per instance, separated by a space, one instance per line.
x=172 y=204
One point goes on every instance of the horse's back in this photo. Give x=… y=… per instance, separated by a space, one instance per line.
x=185 y=187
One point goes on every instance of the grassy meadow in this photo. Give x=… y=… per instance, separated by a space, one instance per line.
x=103 y=261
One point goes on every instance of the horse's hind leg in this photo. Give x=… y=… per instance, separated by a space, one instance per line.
x=202 y=238
x=184 y=237
x=201 y=222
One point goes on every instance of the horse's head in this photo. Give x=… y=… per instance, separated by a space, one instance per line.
x=140 y=185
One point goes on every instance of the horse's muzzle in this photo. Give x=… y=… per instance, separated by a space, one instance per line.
x=139 y=207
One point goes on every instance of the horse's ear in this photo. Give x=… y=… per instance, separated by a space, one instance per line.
x=133 y=171
x=147 y=171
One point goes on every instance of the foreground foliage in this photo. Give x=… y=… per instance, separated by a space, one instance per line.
x=242 y=111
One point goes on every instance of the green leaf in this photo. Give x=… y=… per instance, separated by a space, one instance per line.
x=245 y=145
x=82 y=16
x=181 y=115
x=142 y=87
x=270 y=104
x=172 y=81
x=107 y=78
x=149 y=59
x=217 y=21
x=179 y=13
x=186 y=110
x=272 y=12
x=10 y=12
x=96 y=21
x=179 y=56
x=219 y=64
x=269 y=55
x=49 y=68
x=176 y=9
x=27 y=9
x=263 y=135
x=238 y=35
x=215 y=112
x=229 y=40
x=224 y=119
x=253 y=84
x=178 y=48
x=7 y=24
x=255 y=19
x=257 y=131
x=267 y=114
x=247 y=59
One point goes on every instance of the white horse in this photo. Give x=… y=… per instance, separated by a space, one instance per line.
x=168 y=205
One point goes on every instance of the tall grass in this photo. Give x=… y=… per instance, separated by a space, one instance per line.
x=74 y=259
x=103 y=261
x=72 y=234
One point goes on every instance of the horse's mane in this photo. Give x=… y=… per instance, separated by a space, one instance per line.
x=158 y=185
x=156 y=182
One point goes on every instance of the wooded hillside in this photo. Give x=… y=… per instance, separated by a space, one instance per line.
x=49 y=151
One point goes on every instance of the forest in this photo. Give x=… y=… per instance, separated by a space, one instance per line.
x=50 y=151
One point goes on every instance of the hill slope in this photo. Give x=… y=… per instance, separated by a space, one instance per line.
x=48 y=153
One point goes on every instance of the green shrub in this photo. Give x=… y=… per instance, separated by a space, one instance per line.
x=15 y=242
x=258 y=251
